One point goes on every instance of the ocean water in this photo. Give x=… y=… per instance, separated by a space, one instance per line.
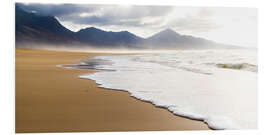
x=218 y=87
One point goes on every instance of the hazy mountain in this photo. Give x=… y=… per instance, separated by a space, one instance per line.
x=97 y=37
x=34 y=29
x=171 y=39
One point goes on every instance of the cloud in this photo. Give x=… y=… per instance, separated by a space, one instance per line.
x=199 y=21
x=101 y=15
x=152 y=17
x=57 y=10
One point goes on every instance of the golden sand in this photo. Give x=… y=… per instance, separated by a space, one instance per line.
x=54 y=99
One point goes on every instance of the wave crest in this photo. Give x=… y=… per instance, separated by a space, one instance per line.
x=239 y=66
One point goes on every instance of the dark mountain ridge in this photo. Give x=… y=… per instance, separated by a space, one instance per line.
x=35 y=28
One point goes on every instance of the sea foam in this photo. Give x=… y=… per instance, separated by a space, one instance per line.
x=192 y=84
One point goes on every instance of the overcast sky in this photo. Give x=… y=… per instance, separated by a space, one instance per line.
x=236 y=26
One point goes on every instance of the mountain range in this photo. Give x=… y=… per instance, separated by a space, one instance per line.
x=33 y=30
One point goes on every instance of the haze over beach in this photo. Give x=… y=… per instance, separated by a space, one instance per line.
x=128 y=68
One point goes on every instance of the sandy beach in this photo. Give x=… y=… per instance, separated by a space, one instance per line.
x=53 y=99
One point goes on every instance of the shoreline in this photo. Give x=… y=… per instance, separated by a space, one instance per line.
x=81 y=106
x=150 y=102
x=146 y=101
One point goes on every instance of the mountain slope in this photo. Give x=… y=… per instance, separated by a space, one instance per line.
x=97 y=37
x=34 y=28
x=171 y=39
x=31 y=27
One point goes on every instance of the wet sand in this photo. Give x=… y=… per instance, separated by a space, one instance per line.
x=53 y=99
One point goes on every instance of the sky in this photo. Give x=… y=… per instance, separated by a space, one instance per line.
x=228 y=25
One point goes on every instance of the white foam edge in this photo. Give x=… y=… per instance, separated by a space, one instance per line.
x=212 y=124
